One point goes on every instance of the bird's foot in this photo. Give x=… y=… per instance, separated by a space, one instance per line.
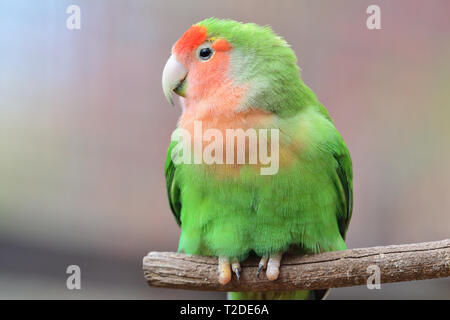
x=272 y=264
x=225 y=270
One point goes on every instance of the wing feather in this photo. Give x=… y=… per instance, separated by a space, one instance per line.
x=172 y=187
x=345 y=175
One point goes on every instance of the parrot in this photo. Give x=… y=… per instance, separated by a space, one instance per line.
x=234 y=75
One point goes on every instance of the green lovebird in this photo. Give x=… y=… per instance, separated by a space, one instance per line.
x=241 y=82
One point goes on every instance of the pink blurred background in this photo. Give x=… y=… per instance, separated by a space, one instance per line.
x=84 y=128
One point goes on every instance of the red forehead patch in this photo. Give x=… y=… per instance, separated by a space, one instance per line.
x=190 y=40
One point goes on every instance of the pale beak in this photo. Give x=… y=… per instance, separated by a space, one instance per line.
x=173 y=78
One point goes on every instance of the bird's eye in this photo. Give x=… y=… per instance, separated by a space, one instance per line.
x=205 y=53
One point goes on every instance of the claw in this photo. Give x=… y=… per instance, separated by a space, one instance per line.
x=224 y=271
x=236 y=267
x=262 y=265
x=259 y=270
x=273 y=266
x=238 y=276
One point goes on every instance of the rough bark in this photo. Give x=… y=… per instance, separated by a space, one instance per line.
x=320 y=271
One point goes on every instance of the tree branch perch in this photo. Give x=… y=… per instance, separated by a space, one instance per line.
x=320 y=271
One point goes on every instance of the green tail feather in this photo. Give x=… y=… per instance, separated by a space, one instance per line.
x=271 y=295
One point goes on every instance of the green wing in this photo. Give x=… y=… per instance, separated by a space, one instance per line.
x=173 y=189
x=345 y=175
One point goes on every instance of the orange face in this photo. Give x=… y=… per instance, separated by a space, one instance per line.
x=210 y=93
x=207 y=64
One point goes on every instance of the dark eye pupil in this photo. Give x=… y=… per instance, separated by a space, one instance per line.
x=205 y=53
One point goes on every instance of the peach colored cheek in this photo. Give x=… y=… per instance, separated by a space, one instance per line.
x=217 y=65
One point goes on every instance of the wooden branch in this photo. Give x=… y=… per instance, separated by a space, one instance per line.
x=326 y=270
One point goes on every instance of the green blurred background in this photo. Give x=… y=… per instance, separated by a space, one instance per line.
x=84 y=128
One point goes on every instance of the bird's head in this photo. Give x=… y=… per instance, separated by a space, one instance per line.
x=217 y=59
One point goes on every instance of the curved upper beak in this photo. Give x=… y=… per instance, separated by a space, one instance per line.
x=173 y=78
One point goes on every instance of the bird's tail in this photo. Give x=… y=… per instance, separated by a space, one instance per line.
x=273 y=295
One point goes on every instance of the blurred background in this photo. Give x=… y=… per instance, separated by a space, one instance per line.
x=84 y=128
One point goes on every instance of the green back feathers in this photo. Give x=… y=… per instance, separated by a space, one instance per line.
x=264 y=61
